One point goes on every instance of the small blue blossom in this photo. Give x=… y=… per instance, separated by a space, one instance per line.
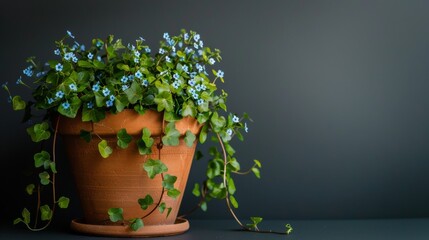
x=136 y=60
x=229 y=132
x=70 y=34
x=96 y=87
x=246 y=129
x=176 y=84
x=173 y=48
x=147 y=50
x=193 y=74
x=99 y=44
x=197 y=37
x=124 y=87
x=203 y=87
x=220 y=73
x=200 y=101
x=137 y=53
x=73 y=87
x=82 y=47
x=191 y=82
x=145 y=83
x=176 y=76
x=74 y=59
x=188 y=50
x=198 y=87
x=131 y=77
x=124 y=79
x=28 y=72
x=90 y=105
x=90 y=56
x=65 y=105
x=235 y=119
x=50 y=100
x=109 y=103
x=166 y=36
x=69 y=56
x=186 y=36
x=195 y=96
x=200 y=52
x=201 y=43
x=131 y=47
x=57 y=52
x=161 y=51
x=99 y=58
x=138 y=74
x=199 y=67
x=195 y=45
x=59 y=94
x=180 y=44
x=168 y=59
x=40 y=74
x=171 y=42
x=106 y=92
x=59 y=67
x=112 y=97
x=185 y=69
x=191 y=91
x=212 y=61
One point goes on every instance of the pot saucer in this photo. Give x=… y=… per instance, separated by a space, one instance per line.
x=180 y=226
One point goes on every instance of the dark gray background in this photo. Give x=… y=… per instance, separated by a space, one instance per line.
x=337 y=90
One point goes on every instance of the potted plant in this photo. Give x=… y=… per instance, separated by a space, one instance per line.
x=130 y=120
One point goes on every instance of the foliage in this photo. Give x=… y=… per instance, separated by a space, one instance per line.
x=178 y=79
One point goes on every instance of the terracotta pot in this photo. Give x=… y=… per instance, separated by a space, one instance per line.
x=120 y=180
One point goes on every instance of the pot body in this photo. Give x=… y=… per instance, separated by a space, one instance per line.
x=120 y=180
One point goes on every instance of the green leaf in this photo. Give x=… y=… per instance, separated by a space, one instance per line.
x=256 y=172
x=124 y=67
x=45 y=213
x=231 y=186
x=17 y=220
x=189 y=109
x=233 y=201
x=26 y=215
x=39 y=132
x=196 y=190
x=218 y=122
x=145 y=202
x=104 y=149
x=189 y=138
x=148 y=141
x=40 y=158
x=143 y=150
x=168 y=211
x=115 y=214
x=162 y=207
x=203 y=133
x=124 y=138
x=63 y=202
x=204 y=206
x=136 y=224
x=53 y=167
x=72 y=110
x=85 y=135
x=289 y=228
x=164 y=101
x=171 y=137
x=134 y=92
x=173 y=193
x=44 y=178
x=84 y=64
x=93 y=114
x=154 y=167
x=258 y=163
x=30 y=189
x=18 y=103
x=168 y=182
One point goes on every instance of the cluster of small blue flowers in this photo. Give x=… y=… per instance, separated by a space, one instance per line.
x=28 y=71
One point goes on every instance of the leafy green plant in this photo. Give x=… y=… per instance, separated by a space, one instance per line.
x=178 y=80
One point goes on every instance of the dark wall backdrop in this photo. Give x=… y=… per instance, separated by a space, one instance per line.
x=338 y=91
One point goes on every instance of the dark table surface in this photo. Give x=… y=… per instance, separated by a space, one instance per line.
x=390 y=229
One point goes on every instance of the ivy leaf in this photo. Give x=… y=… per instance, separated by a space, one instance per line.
x=168 y=211
x=93 y=114
x=145 y=202
x=164 y=101
x=104 y=149
x=154 y=167
x=124 y=138
x=45 y=213
x=255 y=222
x=115 y=214
x=26 y=215
x=162 y=207
x=72 y=110
x=18 y=103
x=52 y=166
x=218 y=122
x=189 y=138
x=40 y=158
x=203 y=133
x=168 y=182
x=143 y=150
x=204 y=206
x=189 y=109
x=231 y=186
x=134 y=92
x=44 y=178
x=63 y=202
x=258 y=163
x=148 y=141
x=289 y=228
x=171 y=137
x=136 y=224
x=85 y=135
x=233 y=201
x=173 y=193
x=30 y=189
x=196 y=190
x=84 y=64
x=256 y=172
x=39 y=132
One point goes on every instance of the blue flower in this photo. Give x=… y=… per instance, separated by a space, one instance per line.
x=166 y=36
x=229 y=132
x=168 y=59
x=161 y=51
x=106 y=92
x=59 y=94
x=198 y=87
x=109 y=103
x=137 y=53
x=82 y=47
x=112 y=97
x=99 y=58
x=191 y=82
x=180 y=44
x=212 y=61
x=186 y=36
x=246 y=129
x=171 y=42
x=200 y=101
x=199 y=67
x=131 y=47
x=203 y=87
x=145 y=83
x=96 y=87
x=176 y=84
x=28 y=72
x=73 y=87
x=136 y=60
x=74 y=59
x=176 y=76
x=197 y=37
x=90 y=105
x=69 y=56
x=124 y=87
x=195 y=96
x=147 y=50
x=193 y=74
x=57 y=51
x=195 y=45
x=173 y=48
x=131 y=77
x=185 y=69
x=124 y=79
x=220 y=73
x=59 y=67
x=99 y=44
x=66 y=105
x=90 y=56
x=138 y=74
x=50 y=100
x=200 y=52
x=235 y=119
x=70 y=34
x=40 y=74
x=201 y=44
